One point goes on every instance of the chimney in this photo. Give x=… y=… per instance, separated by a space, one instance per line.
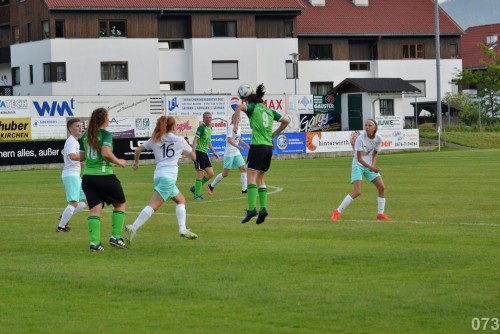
x=360 y=3
x=317 y=3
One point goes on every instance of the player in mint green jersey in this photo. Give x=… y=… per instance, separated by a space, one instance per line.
x=99 y=182
x=261 y=150
x=201 y=144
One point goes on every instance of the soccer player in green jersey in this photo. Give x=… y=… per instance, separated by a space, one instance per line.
x=201 y=144
x=99 y=182
x=261 y=150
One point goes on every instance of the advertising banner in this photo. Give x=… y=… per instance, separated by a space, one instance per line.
x=186 y=125
x=284 y=143
x=48 y=128
x=13 y=107
x=196 y=105
x=131 y=127
x=15 y=129
x=290 y=143
x=31 y=152
x=300 y=104
x=319 y=122
x=326 y=104
x=82 y=106
x=320 y=142
x=124 y=148
x=399 y=139
x=389 y=123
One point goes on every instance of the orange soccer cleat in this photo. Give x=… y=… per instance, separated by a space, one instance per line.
x=382 y=216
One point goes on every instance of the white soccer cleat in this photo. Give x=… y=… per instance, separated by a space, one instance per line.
x=188 y=234
x=130 y=233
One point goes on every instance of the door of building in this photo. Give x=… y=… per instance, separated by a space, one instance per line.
x=355 y=107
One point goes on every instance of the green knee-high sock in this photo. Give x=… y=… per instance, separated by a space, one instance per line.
x=117 y=222
x=94 y=226
x=197 y=188
x=204 y=180
x=262 y=196
x=252 y=196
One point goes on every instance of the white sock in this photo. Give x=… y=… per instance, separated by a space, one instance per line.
x=345 y=203
x=66 y=215
x=381 y=205
x=217 y=179
x=143 y=217
x=243 y=178
x=180 y=212
x=81 y=205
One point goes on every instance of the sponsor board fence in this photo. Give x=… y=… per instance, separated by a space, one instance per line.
x=33 y=129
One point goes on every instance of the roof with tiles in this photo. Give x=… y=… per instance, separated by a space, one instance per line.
x=177 y=4
x=380 y=17
x=471 y=53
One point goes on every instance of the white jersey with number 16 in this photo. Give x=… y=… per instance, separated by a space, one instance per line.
x=167 y=154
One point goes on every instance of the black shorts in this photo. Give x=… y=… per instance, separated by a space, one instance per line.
x=203 y=160
x=259 y=157
x=102 y=189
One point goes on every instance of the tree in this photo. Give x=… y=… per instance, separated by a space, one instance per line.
x=466 y=104
x=487 y=81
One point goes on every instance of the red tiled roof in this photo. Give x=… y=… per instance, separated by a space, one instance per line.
x=471 y=53
x=176 y=4
x=380 y=17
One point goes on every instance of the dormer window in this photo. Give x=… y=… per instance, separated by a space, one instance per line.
x=491 y=39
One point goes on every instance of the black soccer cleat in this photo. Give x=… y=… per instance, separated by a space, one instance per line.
x=262 y=216
x=250 y=215
x=96 y=248
x=117 y=243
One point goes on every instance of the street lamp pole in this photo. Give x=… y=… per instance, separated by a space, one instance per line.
x=295 y=61
x=479 y=112
x=449 y=102
x=438 y=70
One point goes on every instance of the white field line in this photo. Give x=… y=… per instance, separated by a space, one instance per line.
x=161 y=212
x=31 y=211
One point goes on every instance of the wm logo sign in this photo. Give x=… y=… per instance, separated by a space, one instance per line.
x=51 y=109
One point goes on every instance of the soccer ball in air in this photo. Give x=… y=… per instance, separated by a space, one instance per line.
x=245 y=91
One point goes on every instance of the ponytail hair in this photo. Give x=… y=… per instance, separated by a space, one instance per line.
x=258 y=95
x=97 y=120
x=164 y=125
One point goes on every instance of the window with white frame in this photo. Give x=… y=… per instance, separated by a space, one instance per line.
x=224 y=70
x=491 y=39
x=386 y=107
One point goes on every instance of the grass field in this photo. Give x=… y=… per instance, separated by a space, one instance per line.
x=433 y=269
